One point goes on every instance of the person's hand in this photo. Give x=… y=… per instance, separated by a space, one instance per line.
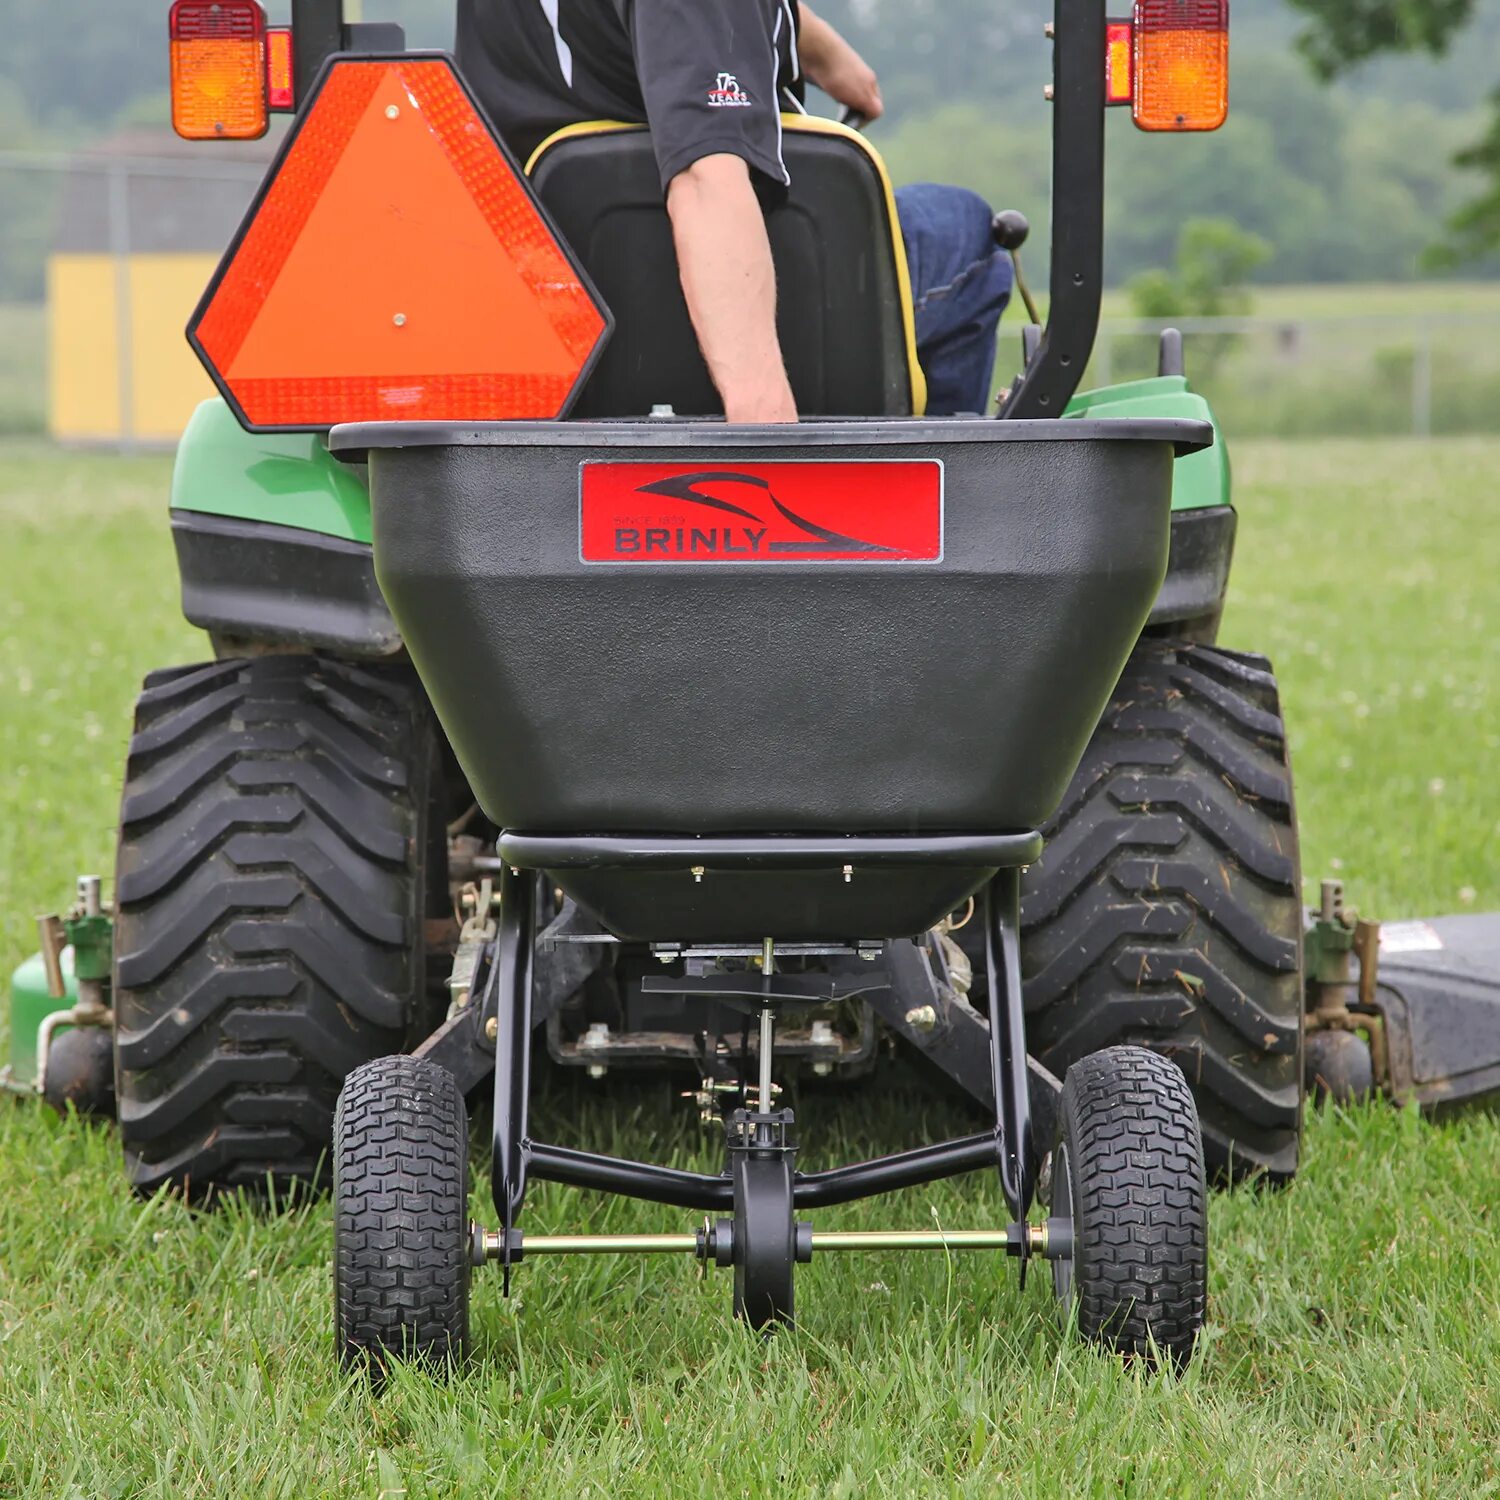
x=836 y=68
x=852 y=81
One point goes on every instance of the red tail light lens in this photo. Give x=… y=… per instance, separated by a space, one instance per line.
x=1118 y=63
x=281 y=82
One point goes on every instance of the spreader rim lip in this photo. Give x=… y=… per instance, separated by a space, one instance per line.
x=354 y=439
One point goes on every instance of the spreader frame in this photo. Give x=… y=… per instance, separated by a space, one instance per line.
x=755 y=1139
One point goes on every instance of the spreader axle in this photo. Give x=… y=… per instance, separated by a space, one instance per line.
x=1051 y=1240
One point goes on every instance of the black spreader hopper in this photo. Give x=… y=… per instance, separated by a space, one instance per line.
x=816 y=682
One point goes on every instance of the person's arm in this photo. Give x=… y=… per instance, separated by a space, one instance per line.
x=724 y=256
x=835 y=67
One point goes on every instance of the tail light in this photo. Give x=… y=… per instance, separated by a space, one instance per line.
x=1181 y=62
x=281 y=91
x=218 y=69
x=1119 y=63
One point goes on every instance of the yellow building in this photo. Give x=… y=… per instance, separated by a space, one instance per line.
x=142 y=221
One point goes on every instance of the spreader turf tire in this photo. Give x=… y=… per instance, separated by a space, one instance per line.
x=276 y=838
x=1128 y=1171
x=1166 y=907
x=401 y=1247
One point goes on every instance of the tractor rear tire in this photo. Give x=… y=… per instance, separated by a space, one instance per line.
x=1128 y=1174
x=278 y=830
x=1166 y=909
x=401 y=1236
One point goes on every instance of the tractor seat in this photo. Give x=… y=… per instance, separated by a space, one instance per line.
x=843 y=293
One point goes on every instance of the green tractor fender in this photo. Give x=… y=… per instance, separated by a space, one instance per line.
x=273 y=533
x=1203 y=518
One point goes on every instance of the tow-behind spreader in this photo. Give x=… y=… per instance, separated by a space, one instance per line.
x=548 y=710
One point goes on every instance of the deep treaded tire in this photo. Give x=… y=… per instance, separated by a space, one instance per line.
x=1129 y=1172
x=270 y=899
x=401 y=1225
x=1166 y=909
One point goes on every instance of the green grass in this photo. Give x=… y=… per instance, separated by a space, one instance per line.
x=23 y=364
x=1355 y=1333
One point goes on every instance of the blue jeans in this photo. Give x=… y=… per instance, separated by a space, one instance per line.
x=960 y=285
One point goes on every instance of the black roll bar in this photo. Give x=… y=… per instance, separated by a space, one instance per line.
x=317 y=33
x=1055 y=370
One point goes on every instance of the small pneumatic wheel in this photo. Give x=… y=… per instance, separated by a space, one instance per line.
x=1128 y=1171
x=401 y=1245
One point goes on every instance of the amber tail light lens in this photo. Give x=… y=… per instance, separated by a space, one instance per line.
x=1181 y=73
x=218 y=69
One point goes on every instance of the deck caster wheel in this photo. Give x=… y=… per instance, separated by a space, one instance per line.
x=1339 y=1067
x=81 y=1072
x=1128 y=1171
x=401 y=1240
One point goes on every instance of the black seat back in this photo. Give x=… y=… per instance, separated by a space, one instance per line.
x=843 y=300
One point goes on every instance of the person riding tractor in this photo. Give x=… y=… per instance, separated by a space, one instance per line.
x=710 y=77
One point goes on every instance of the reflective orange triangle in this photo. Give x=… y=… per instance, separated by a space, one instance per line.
x=395 y=270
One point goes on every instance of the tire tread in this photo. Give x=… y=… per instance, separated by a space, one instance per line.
x=1140 y=1202
x=270 y=897
x=1166 y=909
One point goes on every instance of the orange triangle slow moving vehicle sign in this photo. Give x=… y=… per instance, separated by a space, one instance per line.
x=395 y=265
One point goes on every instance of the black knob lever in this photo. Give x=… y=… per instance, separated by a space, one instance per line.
x=1010 y=228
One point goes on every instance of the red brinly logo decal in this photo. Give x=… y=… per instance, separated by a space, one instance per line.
x=871 y=512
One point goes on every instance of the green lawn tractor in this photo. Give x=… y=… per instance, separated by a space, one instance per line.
x=545 y=710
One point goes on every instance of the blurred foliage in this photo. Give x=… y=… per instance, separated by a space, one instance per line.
x=1215 y=258
x=1345 y=33
x=1348 y=180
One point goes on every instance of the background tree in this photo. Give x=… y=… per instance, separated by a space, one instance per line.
x=1345 y=33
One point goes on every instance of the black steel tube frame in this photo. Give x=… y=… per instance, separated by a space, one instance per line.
x=515 y=1156
x=1044 y=388
x=699 y=1190
x=511 y=978
x=317 y=33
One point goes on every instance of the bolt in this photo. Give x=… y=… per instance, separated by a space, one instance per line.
x=1048 y=92
x=492 y=1027
x=1049 y=30
x=597 y=1070
x=848 y=873
x=698 y=874
x=391 y=111
x=399 y=320
x=921 y=1018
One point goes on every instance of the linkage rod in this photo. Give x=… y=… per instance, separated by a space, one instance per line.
x=1036 y=1240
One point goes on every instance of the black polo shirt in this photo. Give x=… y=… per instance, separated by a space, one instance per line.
x=706 y=75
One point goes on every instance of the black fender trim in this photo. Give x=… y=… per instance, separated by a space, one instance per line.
x=254 y=582
x=1197 y=566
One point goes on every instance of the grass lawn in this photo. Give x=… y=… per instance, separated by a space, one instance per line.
x=1354 y=1346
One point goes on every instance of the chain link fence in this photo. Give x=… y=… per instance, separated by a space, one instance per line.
x=104 y=253
x=1339 y=375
